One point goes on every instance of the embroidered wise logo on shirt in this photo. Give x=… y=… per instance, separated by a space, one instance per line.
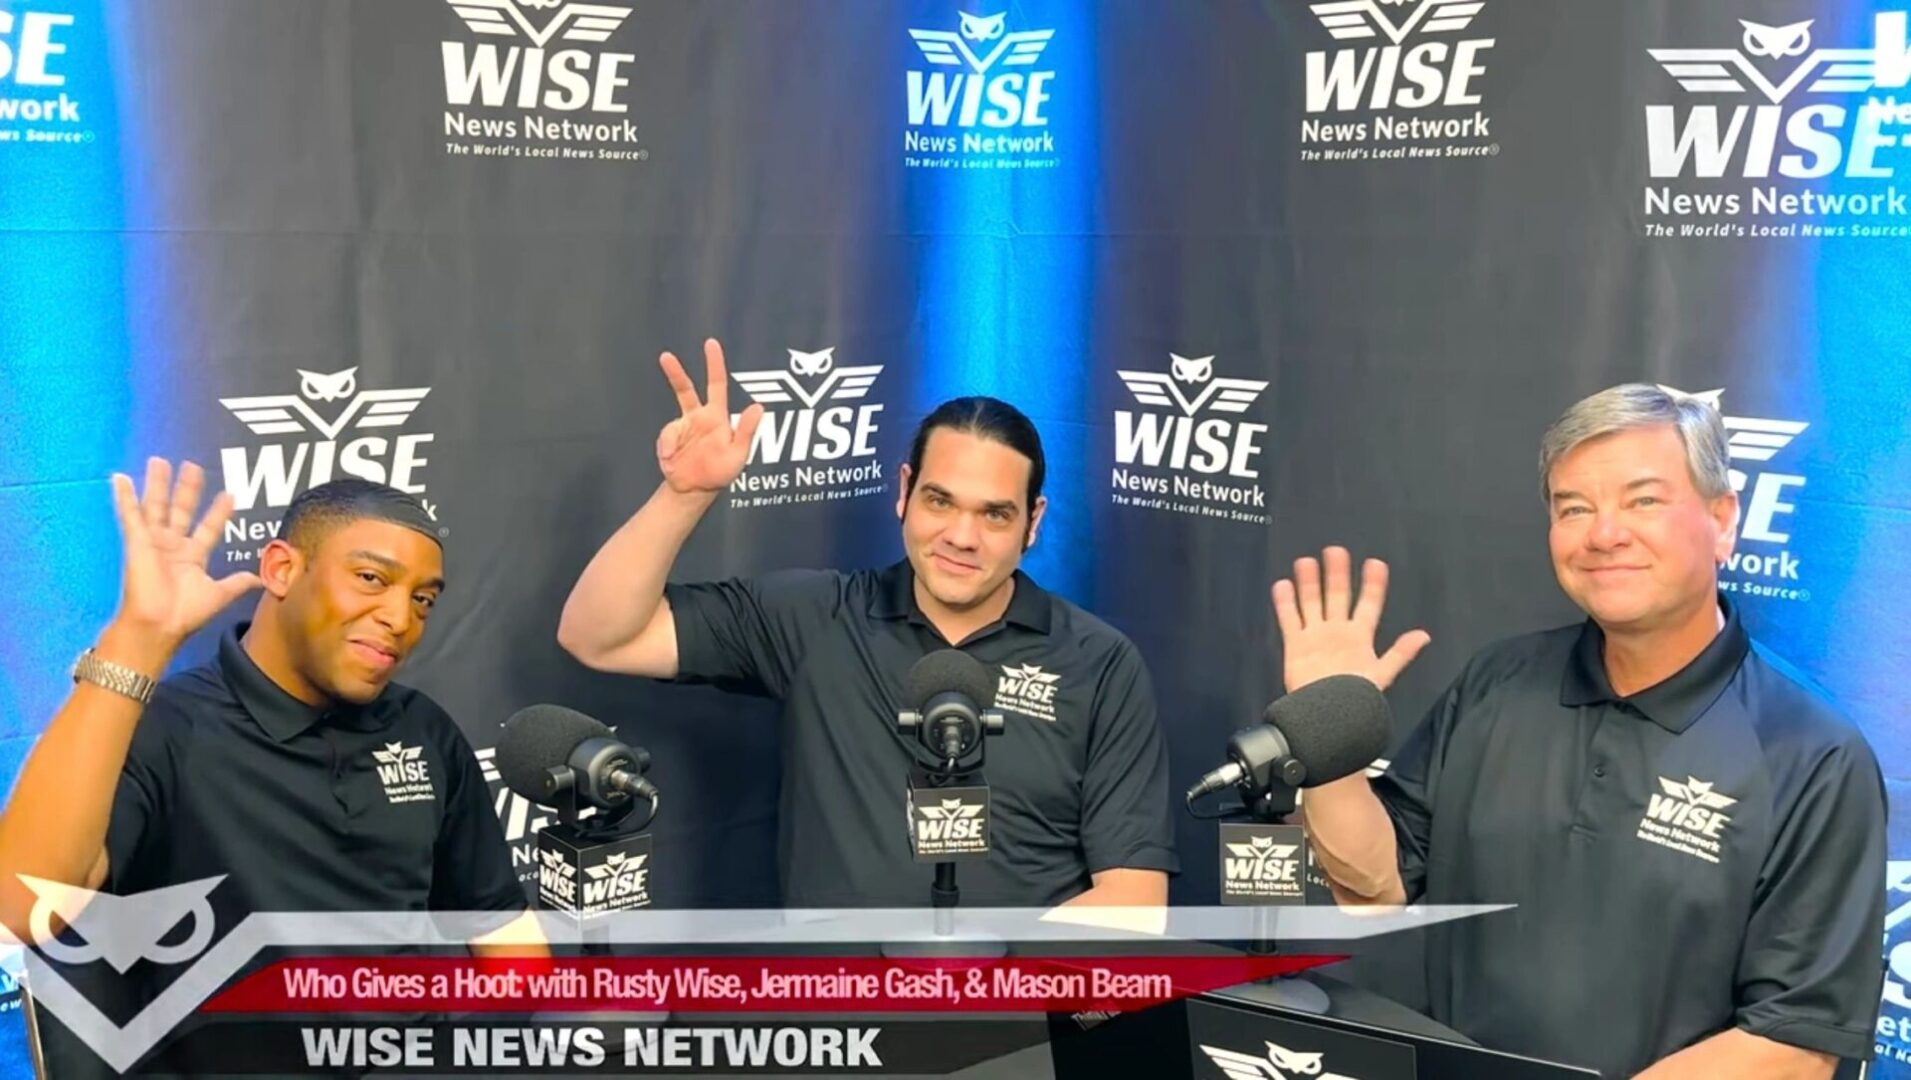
x=1027 y=689
x=1686 y=818
x=404 y=772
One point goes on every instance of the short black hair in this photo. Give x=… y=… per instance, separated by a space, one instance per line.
x=985 y=418
x=318 y=510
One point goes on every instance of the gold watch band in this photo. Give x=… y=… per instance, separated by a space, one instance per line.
x=120 y=679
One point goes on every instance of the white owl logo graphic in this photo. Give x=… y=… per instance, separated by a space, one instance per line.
x=951 y=810
x=322 y=387
x=1355 y=20
x=615 y=863
x=1732 y=71
x=772 y=387
x=1223 y=395
x=572 y=21
x=1697 y=792
x=288 y=414
x=1777 y=42
x=949 y=48
x=810 y=364
x=1279 y=1063
x=983 y=27
x=1198 y=370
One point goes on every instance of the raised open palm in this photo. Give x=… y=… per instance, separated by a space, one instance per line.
x=699 y=451
x=164 y=584
x=1325 y=632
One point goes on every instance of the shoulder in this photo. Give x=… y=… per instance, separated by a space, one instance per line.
x=1797 y=725
x=187 y=700
x=1093 y=640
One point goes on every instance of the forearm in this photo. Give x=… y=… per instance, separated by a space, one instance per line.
x=1740 y=1053
x=54 y=825
x=620 y=592
x=1353 y=838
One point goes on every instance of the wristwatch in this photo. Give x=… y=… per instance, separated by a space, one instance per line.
x=120 y=679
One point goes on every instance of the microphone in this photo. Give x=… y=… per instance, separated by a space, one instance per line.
x=548 y=749
x=947 y=693
x=1328 y=729
x=587 y=867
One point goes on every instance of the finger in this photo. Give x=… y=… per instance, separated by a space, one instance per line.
x=1395 y=660
x=1339 y=600
x=679 y=383
x=718 y=394
x=1307 y=582
x=1285 y=613
x=126 y=506
x=746 y=429
x=212 y=525
x=1373 y=592
x=233 y=586
x=152 y=502
x=185 y=501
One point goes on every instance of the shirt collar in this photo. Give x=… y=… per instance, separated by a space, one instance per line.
x=277 y=712
x=1673 y=703
x=895 y=598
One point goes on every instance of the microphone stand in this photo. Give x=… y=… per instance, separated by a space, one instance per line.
x=1295 y=992
x=944 y=895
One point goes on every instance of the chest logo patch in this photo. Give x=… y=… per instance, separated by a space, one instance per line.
x=404 y=772
x=1686 y=817
x=1027 y=689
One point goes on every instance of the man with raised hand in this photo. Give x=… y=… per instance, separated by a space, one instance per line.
x=1078 y=782
x=270 y=764
x=1692 y=834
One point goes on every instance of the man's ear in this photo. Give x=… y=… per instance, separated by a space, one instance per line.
x=903 y=479
x=1724 y=511
x=280 y=565
x=1035 y=521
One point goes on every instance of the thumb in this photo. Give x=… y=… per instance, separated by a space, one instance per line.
x=746 y=427
x=1396 y=659
x=670 y=440
x=233 y=586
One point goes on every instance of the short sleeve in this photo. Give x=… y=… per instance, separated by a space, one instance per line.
x=143 y=798
x=471 y=861
x=1810 y=973
x=1407 y=788
x=747 y=634
x=1125 y=809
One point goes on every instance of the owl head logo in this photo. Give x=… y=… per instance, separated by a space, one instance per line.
x=1776 y=42
x=982 y=27
x=319 y=386
x=1197 y=370
x=812 y=363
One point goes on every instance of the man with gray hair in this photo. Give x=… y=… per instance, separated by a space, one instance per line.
x=1693 y=836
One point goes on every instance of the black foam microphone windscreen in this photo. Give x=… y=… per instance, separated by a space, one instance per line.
x=539 y=738
x=1334 y=726
x=945 y=671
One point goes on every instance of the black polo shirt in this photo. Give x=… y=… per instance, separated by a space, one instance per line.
x=1702 y=855
x=382 y=807
x=375 y=808
x=1078 y=781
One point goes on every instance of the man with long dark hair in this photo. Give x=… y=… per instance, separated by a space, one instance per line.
x=1079 y=785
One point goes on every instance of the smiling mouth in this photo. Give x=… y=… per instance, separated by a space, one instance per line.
x=378 y=656
x=952 y=565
